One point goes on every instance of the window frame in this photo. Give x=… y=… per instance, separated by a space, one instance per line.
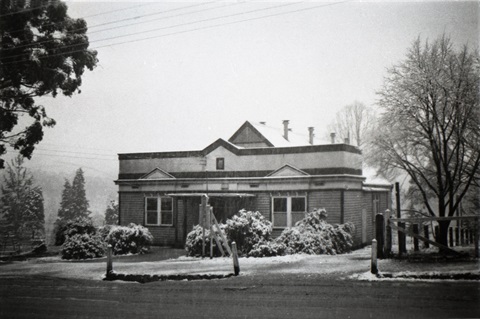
x=289 y=210
x=220 y=164
x=159 y=212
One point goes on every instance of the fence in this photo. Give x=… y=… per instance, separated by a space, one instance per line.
x=466 y=232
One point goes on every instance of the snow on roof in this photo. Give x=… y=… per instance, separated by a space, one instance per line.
x=373 y=177
x=275 y=135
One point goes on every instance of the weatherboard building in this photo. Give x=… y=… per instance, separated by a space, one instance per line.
x=260 y=168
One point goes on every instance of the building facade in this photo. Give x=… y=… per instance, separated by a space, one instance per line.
x=258 y=168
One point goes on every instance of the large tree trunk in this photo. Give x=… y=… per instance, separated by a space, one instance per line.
x=442 y=237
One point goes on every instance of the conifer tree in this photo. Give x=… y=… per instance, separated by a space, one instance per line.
x=66 y=212
x=22 y=201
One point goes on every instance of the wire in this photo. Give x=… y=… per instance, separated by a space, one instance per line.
x=117 y=10
x=23 y=11
x=102 y=24
x=72 y=152
x=67 y=156
x=182 y=32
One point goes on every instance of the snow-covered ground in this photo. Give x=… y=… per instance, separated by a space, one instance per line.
x=355 y=265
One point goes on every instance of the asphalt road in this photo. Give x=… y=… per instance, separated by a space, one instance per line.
x=279 y=296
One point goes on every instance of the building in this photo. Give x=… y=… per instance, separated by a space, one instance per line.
x=260 y=168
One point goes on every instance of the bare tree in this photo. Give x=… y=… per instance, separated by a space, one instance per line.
x=430 y=125
x=354 y=121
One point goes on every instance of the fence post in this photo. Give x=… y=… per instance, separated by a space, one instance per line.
x=379 y=226
x=402 y=247
x=373 y=264
x=427 y=236
x=236 y=266
x=415 y=239
x=450 y=236
x=109 y=260
x=477 y=237
x=457 y=237
x=388 y=239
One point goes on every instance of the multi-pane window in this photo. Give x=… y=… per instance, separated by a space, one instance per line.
x=158 y=211
x=288 y=210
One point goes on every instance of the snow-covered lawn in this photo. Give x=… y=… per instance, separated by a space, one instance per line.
x=355 y=265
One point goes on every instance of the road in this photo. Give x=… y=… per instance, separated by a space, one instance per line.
x=262 y=296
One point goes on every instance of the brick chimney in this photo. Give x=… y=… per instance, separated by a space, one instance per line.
x=310 y=135
x=285 y=129
x=332 y=135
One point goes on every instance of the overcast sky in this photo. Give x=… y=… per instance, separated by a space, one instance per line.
x=209 y=67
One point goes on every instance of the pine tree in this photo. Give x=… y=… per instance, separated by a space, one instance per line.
x=74 y=202
x=22 y=202
x=79 y=198
x=66 y=212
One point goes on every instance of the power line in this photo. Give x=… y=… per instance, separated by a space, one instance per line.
x=110 y=22
x=183 y=31
x=117 y=10
x=25 y=10
x=72 y=152
x=68 y=156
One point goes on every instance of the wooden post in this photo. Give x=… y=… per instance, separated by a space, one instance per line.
x=373 y=264
x=236 y=266
x=415 y=239
x=109 y=260
x=203 y=212
x=402 y=245
x=388 y=239
x=477 y=237
x=450 y=236
x=457 y=237
x=427 y=235
x=462 y=236
x=379 y=226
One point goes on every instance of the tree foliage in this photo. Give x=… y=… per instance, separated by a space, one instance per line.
x=22 y=201
x=74 y=202
x=355 y=122
x=430 y=126
x=42 y=52
x=111 y=214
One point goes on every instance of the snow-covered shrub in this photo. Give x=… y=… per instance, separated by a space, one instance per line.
x=267 y=249
x=131 y=239
x=83 y=246
x=313 y=235
x=247 y=229
x=64 y=229
x=193 y=244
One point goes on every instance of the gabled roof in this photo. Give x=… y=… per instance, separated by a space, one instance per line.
x=260 y=132
x=287 y=170
x=157 y=173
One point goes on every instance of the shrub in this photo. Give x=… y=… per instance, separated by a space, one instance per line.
x=193 y=244
x=83 y=246
x=131 y=239
x=267 y=249
x=313 y=235
x=64 y=229
x=248 y=229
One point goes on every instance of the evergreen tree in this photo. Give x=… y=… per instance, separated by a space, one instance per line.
x=66 y=212
x=74 y=201
x=79 y=198
x=111 y=214
x=22 y=201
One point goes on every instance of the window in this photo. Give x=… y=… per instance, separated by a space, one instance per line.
x=220 y=163
x=375 y=203
x=288 y=210
x=158 y=211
